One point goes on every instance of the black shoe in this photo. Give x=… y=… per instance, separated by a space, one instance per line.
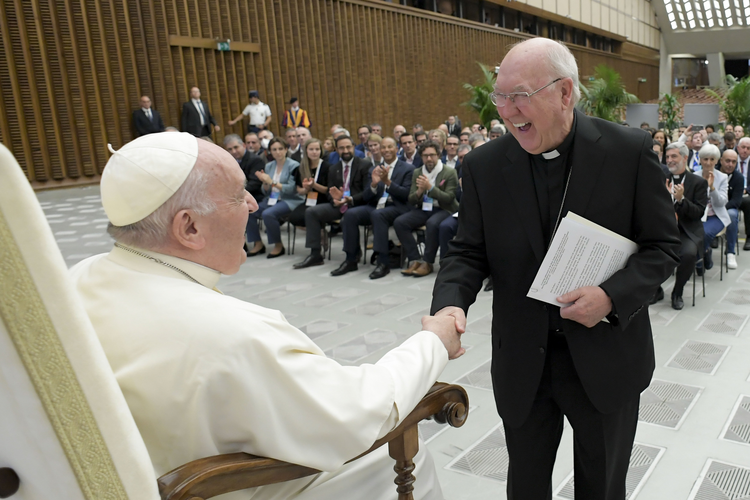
x=274 y=255
x=253 y=254
x=708 y=261
x=677 y=302
x=746 y=246
x=488 y=287
x=715 y=243
x=699 y=270
x=344 y=268
x=310 y=260
x=659 y=295
x=380 y=271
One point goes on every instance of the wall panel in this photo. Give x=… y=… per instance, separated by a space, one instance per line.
x=72 y=71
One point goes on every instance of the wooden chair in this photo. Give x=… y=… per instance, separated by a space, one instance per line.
x=65 y=427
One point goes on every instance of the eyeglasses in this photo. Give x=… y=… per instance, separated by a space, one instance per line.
x=517 y=98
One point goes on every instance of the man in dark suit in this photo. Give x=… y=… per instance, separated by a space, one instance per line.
x=454 y=126
x=689 y=193
x=728 y=165
x=250 y=163
x=346 y=181
x=385 y=199
x=146 y=119
x=196 y=118
x=549 y=362
x=409 y=152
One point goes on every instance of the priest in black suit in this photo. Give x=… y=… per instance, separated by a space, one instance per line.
x=689 y=192
x=146 y=119
x=196 y=117
x=588 y=361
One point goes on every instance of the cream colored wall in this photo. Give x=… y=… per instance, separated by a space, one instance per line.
x=616 y=16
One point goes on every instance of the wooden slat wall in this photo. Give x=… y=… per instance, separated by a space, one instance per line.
x=72 y=71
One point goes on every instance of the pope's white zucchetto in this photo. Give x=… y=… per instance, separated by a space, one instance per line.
x=145 y=173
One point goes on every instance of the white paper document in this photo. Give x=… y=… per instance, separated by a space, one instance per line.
x=582 y=253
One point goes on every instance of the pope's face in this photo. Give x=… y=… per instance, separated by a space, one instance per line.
x=539 y=123
x=225 y=226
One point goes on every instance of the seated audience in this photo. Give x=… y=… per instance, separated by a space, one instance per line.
x=496 y=131
x=329 y=146
x=420 y=137
x=656 y=146
x=303 y=135
x=377 y=129
x=714 y=138
x=397 y=131
x=409 y=147
x=464 y=136
x=729 y=141
x=250 y=164
x=739 y=132
x=728 y=166
x=645 y=125
x=292 y=143
x=346 y=181
x=252 y=142
x=389 y=186
x=439 y=137
x=710 y=129
x=265 y=137
x=661 y=138
x=205 y=373
x=374 y=155
x=433 y=198
x=281 y=198
x=363 y=132
x=689 y=193
x=312 y=180
x=716 y=216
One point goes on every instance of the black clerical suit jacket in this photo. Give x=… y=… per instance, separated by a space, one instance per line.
x=145 y=126
x=615 y=181
x=191 y=120
x=690 y=211
x=357 y=179
x=251 y=163
x=399 y=189
x=736 y=189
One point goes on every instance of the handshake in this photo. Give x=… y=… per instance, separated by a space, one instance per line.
x=448 y=324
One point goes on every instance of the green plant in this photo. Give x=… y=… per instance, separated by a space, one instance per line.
x=735 y=103
x=605 y=97
x=669 y=108
x=480 y=97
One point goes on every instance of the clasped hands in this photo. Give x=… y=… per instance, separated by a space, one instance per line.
x=423 y=184
x=677 y=190
x=264 y=177
x=338 y=197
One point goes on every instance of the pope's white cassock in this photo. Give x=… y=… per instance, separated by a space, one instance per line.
x=206 y=374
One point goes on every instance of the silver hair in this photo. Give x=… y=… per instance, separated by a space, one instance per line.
x=563 y=63
x=228 y=139
x=744 y=139
x=463 y=147
x=340 y=130
x=497 y=129
x=476 y=136
x=714 y=136
x=709 y=151
x=152 y=232
x=680 y=146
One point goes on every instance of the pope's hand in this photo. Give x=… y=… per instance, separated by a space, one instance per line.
x=445 y=328
x=458 y=315
x=589 y=305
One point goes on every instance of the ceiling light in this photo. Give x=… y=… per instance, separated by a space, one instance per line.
x=690 y=16
x=692 y=24
x=669 y=7
x=710 y=23
x=721 y=23
x=674 y=25
x=729 y=21
x=671 y=17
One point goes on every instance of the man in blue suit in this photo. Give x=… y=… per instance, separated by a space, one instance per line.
x=385 y=198
x=409 y=150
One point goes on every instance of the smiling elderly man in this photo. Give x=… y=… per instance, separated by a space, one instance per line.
x=549 y=361
x=204 y=373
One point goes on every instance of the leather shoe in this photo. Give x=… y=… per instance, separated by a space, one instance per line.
x=310 y=260
x=708 y=261
x=659 y=295
x=746 y=246
x=677 y=302
x=274 y=255
x=699 y=270
x=345 y=267
x=423 y=270
x=715 y=243
x=410 y=270
x=380 y=271
x=250 y=253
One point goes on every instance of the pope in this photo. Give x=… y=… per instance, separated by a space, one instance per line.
x=206 y=374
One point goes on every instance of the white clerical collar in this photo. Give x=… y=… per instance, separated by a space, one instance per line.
x=189 y=271
x=550 y=155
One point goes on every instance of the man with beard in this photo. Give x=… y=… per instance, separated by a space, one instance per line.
x=689 y=193
x=346 y=181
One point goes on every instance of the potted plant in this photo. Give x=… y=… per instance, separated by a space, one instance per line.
x=669 y=109
x=736 y=101
x=605 y=97
x=480 y=97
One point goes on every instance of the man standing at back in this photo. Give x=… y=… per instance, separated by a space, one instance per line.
x=196 y=118
x=146 y=119
x=549 y=361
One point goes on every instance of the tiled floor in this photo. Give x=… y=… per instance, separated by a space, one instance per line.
x=693 y=441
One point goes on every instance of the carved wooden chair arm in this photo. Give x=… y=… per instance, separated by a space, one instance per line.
x=209 y=477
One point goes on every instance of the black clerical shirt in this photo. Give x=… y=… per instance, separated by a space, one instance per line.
x=550 y=179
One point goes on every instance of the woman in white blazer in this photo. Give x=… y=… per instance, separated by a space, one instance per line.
x=716 y=217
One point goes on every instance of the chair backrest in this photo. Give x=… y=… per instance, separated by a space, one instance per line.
x=65 y=427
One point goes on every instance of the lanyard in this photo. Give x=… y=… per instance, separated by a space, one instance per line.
x=317 y=171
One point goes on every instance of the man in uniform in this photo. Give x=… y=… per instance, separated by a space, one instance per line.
x=204 y=373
